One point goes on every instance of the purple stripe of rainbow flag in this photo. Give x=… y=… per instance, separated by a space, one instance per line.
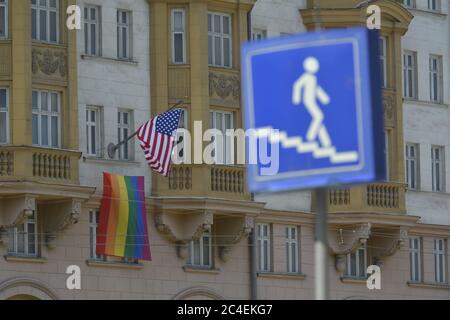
x=122 y=231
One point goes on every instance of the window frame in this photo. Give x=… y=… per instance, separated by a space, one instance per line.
x=437 y=5
x=412 y=4
x=348 y=259
x=437 y=253
x=5 y=5
x=201 y=245
x=183 y=33
x=98 y=131
x=49 y=113
x=47 y=9
x=387 y=154
x=383 y=58
x=417 y=251
x=119 y=35
x=412 y=161
x=222 y=36
x=292 y=246
x=14 y=232
x=6 y=111
x=227 y=149
x=88 y=22
x=439 y=78
x=94 y=221
x=259 y=34
x=414 y=74
x=261 y=239
x=120 y=136
x=438 y=186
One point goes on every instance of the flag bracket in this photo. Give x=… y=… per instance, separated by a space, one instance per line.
x=112 y=148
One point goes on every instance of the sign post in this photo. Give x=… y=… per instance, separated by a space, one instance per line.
x=316 y=99
x=321 y=245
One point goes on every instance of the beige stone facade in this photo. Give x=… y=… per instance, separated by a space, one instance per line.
x=206 y=230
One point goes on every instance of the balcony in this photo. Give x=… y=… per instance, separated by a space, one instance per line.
x=38 y=165
x=215 y=181
x=383 y=197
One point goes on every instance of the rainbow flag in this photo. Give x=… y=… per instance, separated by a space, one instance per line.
x=122 y=231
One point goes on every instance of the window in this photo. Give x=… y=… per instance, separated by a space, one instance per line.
x=178 y=36
x=409 y=3
x=415 y=259
x=46 y=119
x=92 y=32
x=124 y=128
x=387 y=154
x=4 y=116
x=383 y=58
x=93 y=140
x=439 y=260
x=45 y=20
x=292 y=249
x=94 y=220
x=182 y=144
x=23 y=239
x=263 y=240
x=123 y=34
x=434 y=5
x=437 y=168
x=410 y=75
x=200 y=251
x=223 y=121
x=357 y=263
x=259 y=34
x=436 y=79
x=412 y=165
x=219 y=40
x=3 y=18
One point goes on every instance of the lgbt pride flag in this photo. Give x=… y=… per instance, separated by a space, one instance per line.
x=122 y=231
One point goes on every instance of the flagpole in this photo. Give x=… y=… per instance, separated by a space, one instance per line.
x=112 y=148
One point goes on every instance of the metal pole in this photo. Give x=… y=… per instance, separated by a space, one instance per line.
x=321 y=245
x=253 y=267
x=112 y=148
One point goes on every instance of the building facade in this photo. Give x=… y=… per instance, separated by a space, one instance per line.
x=66 y=94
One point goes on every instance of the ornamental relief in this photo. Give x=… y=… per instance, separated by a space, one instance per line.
x=49 y=62
x=388 y=106
x=226 y=87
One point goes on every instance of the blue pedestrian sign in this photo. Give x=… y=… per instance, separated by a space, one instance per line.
x=316 y=97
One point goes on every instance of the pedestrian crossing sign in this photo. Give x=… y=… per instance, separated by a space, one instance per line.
x=316 y=97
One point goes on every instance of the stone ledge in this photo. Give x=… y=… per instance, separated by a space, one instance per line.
x=25 y=259
x=108 y=59
x=282 y=275
x=429 y=11
x=417 y=102
x=110 y=264
x=194 y=269
x=428 y=285
x=354 y=280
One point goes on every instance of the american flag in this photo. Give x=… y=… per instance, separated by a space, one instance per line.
x=157 y=140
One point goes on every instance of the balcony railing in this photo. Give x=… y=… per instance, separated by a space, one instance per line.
x=377 y=197
x=216 y=181
x=6 y=163
x=180 y=178
x=38 y=164
x=227 y=179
